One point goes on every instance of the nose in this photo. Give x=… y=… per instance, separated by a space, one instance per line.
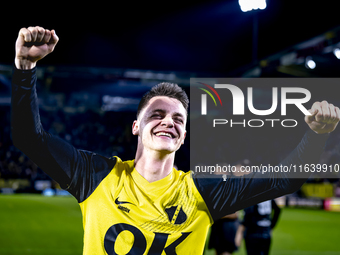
x=167 y=121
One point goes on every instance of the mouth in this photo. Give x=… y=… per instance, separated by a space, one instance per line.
x=165 y=134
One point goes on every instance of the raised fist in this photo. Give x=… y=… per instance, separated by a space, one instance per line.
x=33 y=44
x=324 y=117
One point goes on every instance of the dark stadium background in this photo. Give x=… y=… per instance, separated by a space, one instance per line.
x=119 y=51
x=110 y=53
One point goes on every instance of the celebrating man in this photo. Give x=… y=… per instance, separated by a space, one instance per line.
x=145 y=206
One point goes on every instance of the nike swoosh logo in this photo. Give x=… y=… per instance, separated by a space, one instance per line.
x=121 y=202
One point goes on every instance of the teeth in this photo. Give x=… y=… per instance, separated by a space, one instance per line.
x=162 y=133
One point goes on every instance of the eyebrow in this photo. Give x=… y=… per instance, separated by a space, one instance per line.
x=163 y=111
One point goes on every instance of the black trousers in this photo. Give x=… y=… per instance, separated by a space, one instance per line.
x=257 y=246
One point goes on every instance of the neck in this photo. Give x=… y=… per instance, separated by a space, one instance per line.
x=153 y=166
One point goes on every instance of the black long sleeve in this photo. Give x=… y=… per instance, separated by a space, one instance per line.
x=78 y=171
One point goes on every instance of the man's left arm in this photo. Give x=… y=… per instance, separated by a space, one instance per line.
x=225 y=197
x=323 y=120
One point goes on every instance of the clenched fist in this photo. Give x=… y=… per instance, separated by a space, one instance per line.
x=33 y=44
x=324 y=117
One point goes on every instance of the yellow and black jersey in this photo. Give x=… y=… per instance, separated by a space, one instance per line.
x=125 y=214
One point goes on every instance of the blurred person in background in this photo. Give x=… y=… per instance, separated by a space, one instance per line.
x=256 y=227
x=223 y=231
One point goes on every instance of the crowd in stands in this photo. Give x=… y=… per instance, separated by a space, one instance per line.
x=108 y=134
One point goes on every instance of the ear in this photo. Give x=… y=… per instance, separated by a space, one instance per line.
x=185 y=133
x=135 y=127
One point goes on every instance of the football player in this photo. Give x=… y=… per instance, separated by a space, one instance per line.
x=144 y=205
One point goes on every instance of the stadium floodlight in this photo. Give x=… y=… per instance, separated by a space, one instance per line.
x=249 y=5
x=336 y=52
x=310 y=63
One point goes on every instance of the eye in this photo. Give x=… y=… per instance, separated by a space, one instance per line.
x=156 y=115
x=178 y=120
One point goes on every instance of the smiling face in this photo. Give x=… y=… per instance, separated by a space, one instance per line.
x=161 y=125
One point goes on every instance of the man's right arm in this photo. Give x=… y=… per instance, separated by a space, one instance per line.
x=78 y=171
x=28 y=135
